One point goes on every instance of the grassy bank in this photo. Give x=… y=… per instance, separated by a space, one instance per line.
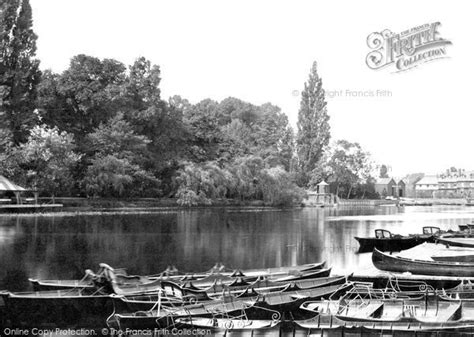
x=116 y=203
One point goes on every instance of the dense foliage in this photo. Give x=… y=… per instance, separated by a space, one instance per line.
x=100 y=128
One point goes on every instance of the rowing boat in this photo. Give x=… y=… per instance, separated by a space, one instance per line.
x=59 y=309
x=431 y=316
x=267 y=306
x=458 y=239
x=384 y=240
x=176 y=294
x=400 y=264
x=122 y=279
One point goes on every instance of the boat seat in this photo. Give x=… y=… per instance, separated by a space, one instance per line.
x=371 y=310
x=443 y=314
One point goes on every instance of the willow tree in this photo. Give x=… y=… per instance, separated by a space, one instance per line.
x=313 y=125
x=19 y=70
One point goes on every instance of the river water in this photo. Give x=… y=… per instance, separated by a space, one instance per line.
x=63 y=245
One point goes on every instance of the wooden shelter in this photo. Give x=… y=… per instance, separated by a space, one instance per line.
x=8 y=186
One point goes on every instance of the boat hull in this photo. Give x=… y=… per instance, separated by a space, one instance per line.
x=391 y=244
x=397 y=264
x=88 y=312
x=454 y=258
x=457 y=241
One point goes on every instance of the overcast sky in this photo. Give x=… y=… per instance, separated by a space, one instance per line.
x=261 y=51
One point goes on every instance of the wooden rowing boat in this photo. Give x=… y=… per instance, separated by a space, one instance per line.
x=384 y=240
x=215 y=326
x=176 y=294
x=399 y=264
x=454 y=254
x=406 y=282
x=268 y=306
x=215 y=281
x=458 y=239
x=122 y=279
x=59 y=309
x=454 y=258
x=396 y=317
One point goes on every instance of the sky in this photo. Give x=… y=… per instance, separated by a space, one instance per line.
x=418 y=120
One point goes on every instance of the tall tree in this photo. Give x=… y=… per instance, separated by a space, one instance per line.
x=19 y=70
x=313 y=125
x=86 y=94
x=383 y=171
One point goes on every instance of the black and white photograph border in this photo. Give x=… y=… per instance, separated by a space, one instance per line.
x=236 y=168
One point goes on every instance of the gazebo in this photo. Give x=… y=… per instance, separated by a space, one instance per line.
x=323 y=187
x=8 y=186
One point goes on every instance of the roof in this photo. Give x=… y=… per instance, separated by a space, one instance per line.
x=7 y=185
x=428 y=180
x=399 y=180
x=323 y=183
x=384 y=181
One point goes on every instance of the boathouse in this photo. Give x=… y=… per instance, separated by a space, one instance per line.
x=427 y=187
x=386 y=187
x=401 y=188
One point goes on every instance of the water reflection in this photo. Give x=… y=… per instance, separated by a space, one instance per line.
x=61 y=247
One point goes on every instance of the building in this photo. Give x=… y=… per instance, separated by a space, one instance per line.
x=401 y=188
x=427 y=187
x=386 y=187
x=456 y=184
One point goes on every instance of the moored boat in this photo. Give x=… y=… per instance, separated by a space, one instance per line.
x=255 y=306
x=400 y=264
x=455 y=257
x=188 y=294
x=457 y=239
x=235 y=325
x=384 y=240
x=59 y=309
x=430 y=316
x=466 y=227
x=407 y=282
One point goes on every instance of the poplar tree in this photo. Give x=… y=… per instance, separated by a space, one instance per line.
x=313 y=125
x=19 y=70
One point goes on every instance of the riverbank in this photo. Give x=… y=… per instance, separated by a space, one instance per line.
x=88 y=204
x=78 y=204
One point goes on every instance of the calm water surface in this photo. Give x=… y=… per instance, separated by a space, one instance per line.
x=62 y=246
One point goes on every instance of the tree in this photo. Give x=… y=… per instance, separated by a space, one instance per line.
x=48 y=158
x=110 y=176
x=117 y=137
x=203 y=129
x=278 y=189
x=116 y=165
x=383 y=171
x=160 y=121
x=83 y=96
x=201 y=183
x=313 y=125
x=19 y=70
x=345 y=166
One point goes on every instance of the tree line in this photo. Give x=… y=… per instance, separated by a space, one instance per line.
x=101 y=128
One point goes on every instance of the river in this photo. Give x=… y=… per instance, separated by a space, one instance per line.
x=63 y=245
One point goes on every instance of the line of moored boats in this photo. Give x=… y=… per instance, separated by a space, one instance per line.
x=297 y=300
x=435 y=297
